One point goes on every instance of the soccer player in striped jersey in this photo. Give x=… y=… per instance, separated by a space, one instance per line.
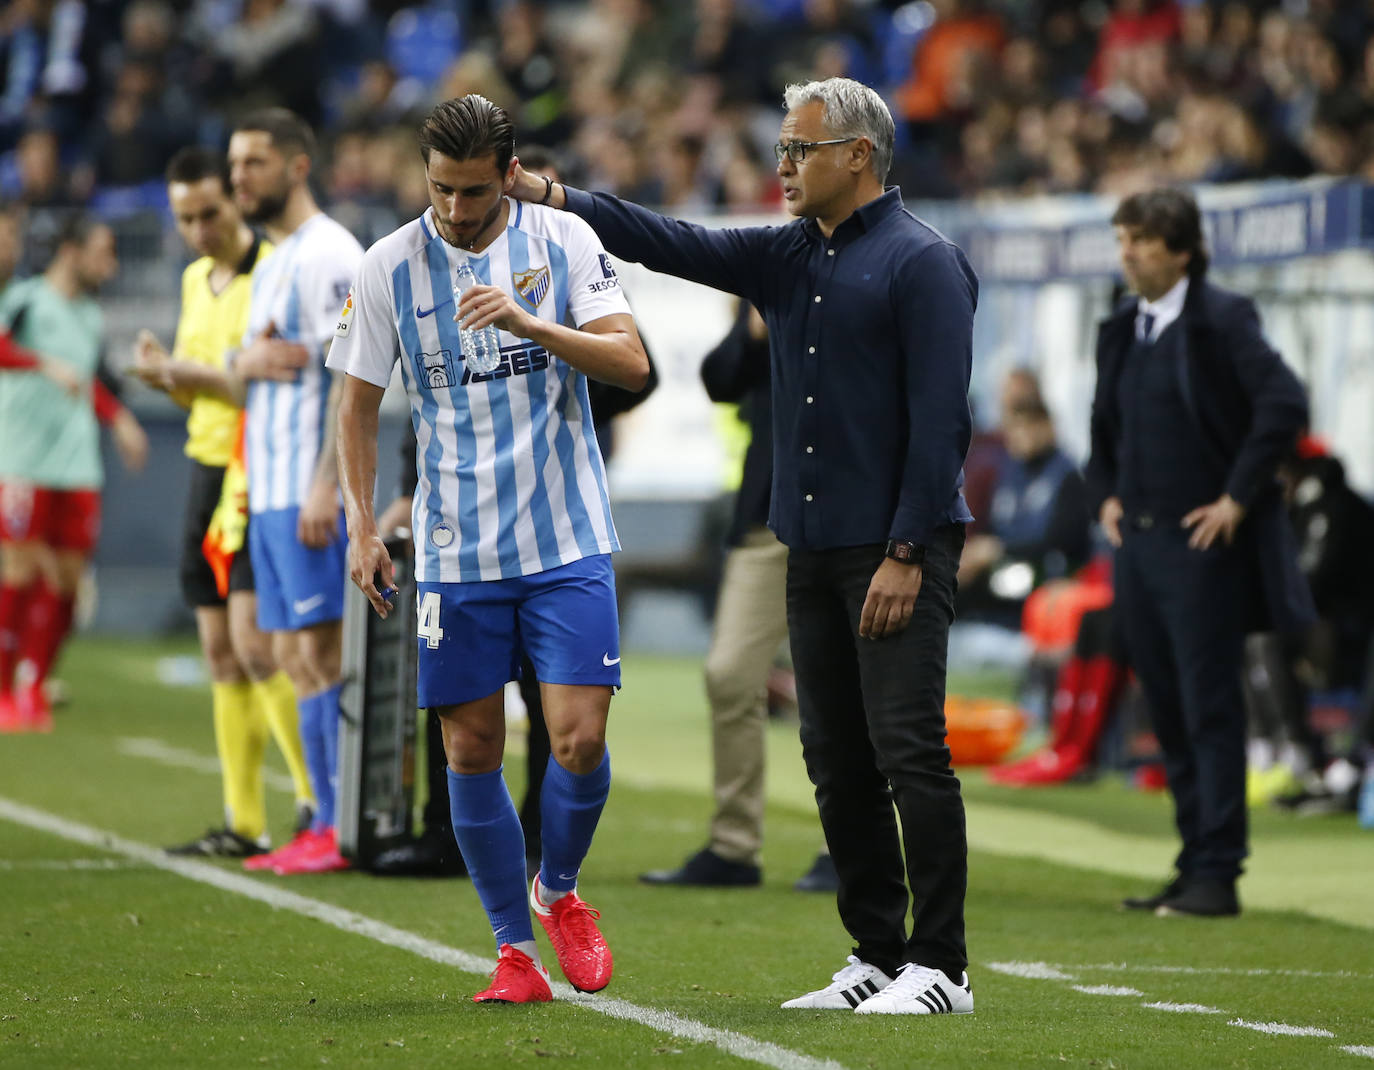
x=295 y=531
x=512 y=522
x=250 y=697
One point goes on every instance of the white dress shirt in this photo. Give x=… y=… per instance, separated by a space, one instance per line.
x=1162 y=312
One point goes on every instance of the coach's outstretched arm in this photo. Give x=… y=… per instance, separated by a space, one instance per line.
x=733 y=259
x=369 y=564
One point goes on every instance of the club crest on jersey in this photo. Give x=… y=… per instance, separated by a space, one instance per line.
x=436 y=369
x=532 y=285
x=345 y=317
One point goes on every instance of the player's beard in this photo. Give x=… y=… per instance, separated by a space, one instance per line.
x=270 y=206
x=451 y=236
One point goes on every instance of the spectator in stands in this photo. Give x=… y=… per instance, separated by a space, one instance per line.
x=1192 y=414
x=1037 y=527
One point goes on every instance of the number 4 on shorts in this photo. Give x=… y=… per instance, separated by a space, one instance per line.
x=428 y=627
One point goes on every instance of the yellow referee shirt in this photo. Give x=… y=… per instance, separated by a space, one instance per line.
x=211 y=325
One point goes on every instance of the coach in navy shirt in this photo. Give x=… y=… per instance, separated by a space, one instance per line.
x=871 y=316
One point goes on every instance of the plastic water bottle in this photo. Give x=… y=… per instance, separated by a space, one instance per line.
x=481 y=349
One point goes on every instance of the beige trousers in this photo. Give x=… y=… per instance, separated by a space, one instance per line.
x=750 y=625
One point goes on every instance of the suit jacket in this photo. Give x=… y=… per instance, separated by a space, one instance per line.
x=1249 y=409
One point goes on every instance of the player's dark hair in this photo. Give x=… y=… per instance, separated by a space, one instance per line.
x=1172 y=216
x=291 y=135
x=73 y=229
x=468 y=128
x=195 y=164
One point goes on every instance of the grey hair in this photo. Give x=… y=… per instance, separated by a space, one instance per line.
x=852 y=109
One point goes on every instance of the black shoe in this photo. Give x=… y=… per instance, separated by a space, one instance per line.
x=1151 y=902
x=707 y=869
x=305 y=817
x=218 y=843
x=425 y=856
x=1203 y=899
x=821 y=877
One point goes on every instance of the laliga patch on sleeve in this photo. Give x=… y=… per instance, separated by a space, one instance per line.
x=345 y=317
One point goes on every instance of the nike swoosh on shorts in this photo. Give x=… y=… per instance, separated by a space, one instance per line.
x=307 y=604
x=608 y=661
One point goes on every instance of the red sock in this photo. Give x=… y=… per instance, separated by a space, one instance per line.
x=1102 y=680
x=50 y=618
x=12 y=611
x=1065 y=703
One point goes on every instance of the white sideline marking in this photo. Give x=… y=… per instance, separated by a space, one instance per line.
x=1132 y=967
x=736 y=1044
x=158 y=751
x=1033 y=971
x=1280 y=1029
x=1107 y=990
x=68 y=864
x=1367 y=1050
x=1184 y=1008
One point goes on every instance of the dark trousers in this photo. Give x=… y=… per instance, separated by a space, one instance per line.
x=1182 y=613
x=873 y=734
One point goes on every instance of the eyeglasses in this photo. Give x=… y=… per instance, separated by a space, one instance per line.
x=796 y=150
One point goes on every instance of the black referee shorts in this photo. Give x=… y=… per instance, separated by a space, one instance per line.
x=197 y=579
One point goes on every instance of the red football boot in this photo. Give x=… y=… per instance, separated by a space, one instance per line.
x=9 y=714
x=582 y=953
x=320 y=856
x=516 y=979
x=300 y=842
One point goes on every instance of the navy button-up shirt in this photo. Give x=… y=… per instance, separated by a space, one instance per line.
x=871 y=334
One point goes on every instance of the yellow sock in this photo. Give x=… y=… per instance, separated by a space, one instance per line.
x=277 y=700
x=241 y=739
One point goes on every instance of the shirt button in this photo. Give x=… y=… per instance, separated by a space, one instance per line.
x=830 y=252
x=818 y=299
x=808 y=497
x=811 y=349
x=810 y=449
x=809 y=399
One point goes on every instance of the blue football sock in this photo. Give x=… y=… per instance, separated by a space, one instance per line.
x=313 y=711
x=487 y=828
x=329 y=735
x=570 y=806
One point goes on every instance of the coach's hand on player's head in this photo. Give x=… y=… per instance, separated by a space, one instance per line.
x=485 y=305
x=318 y=524
x=532 y=188
x=369 y=566
x=270 y=357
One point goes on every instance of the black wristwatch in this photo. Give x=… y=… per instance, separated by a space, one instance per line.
x=910 y=553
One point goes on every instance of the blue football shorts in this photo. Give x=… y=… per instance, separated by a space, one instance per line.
x=297 y=585
x=471 y=635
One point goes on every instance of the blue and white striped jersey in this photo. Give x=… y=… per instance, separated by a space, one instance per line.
x=511 y=479
x=300 y=288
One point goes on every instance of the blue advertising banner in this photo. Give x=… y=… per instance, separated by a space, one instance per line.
x=1244 y=225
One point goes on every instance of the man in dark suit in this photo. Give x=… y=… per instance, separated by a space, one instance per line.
x=1192 y=414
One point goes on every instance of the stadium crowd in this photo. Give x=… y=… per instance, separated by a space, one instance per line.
x=674 y=104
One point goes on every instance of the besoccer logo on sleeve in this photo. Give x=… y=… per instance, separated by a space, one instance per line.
x=345 y=317
x=607 y=268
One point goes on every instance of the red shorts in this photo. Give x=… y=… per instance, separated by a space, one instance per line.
x=62 y=519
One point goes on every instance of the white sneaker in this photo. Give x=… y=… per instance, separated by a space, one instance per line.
x=921 y=990
x=848 y=989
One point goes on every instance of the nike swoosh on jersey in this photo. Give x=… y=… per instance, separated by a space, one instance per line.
x=422 y=313
x=608 y=661
x=305 y=605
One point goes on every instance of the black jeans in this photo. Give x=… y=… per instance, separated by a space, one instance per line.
x=873 y=733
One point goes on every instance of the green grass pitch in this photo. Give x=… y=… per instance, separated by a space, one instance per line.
x=110 y=959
